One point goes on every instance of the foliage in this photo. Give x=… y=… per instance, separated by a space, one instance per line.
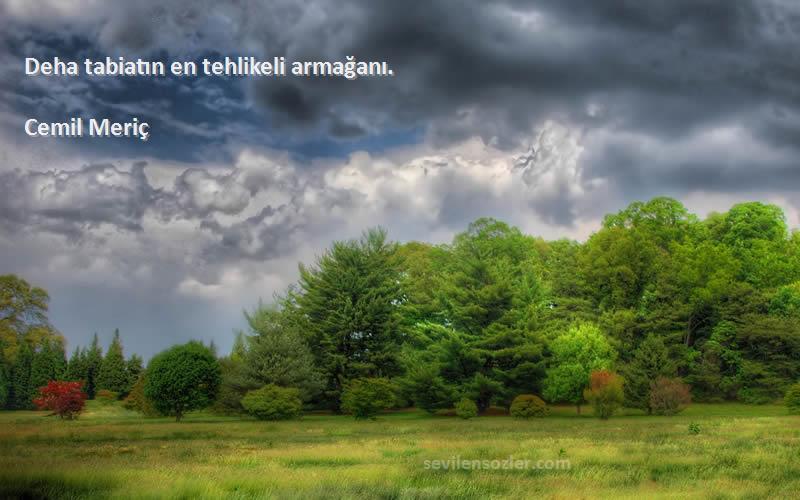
x=669 y=396
x=528 y=406
x=349 y=302
x=112 y=375
x=137 y=401
x=93 y=362
x=578 y=352
x=466 y=409
x=277 y=353
x=65 y=399
x=605 y=392
x=694 y=428
x=273 y=403
x=366 y=397
x=181 y=379
x=650 y=361
x=424 y=386
x=792 y=399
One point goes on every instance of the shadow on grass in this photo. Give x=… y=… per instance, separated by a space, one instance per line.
x=53 y=486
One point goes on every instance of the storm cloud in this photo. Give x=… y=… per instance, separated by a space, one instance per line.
x=545 y=113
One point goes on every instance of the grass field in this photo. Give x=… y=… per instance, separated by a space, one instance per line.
x=740 y=452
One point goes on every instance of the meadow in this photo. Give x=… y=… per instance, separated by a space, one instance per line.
x=708 y=451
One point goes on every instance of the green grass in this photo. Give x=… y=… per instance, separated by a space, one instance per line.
x=740 y=452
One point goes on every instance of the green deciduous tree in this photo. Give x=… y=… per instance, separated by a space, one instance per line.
x=575 y=354
x=181 y=379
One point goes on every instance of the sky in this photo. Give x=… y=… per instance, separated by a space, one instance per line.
x=546 y=114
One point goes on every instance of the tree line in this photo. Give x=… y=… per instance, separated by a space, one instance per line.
x=32 y=352
x=656 y=297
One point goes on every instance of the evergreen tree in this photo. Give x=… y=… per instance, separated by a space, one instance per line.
x=46 y=365
x=350 y=300
x=22 y=393
x=278 y=354
x=112 y=375
x=133 y=370
x=76 y=368
x=94 y=359
x=650 y=361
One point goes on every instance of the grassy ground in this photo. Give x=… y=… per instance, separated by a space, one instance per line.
x=739 y=452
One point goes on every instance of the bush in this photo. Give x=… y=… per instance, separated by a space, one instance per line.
x=365 y=397
x=182 y=378
x=137 y=401
x=105 y=396
x=466 y=409
x=65 y=399
x=669 y=396
x=527 y=406
x=792 y=399
x=272 y=402
x=605 y=392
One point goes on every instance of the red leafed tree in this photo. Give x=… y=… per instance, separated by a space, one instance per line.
x=65 y=399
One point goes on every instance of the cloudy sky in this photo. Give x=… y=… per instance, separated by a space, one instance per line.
x=547 y=114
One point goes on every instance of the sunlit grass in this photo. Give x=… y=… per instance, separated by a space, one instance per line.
x=740 y=452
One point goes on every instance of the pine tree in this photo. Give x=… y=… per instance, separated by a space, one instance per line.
x=94 y=358
x=44 y=366
x=650 y=361
x=21 y=387
x=350 y=300
x=112 y=374
x=76 y=368
x=133 y=370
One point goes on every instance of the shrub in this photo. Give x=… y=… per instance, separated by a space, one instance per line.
x=365 y=397
x=466 y=409
x=105 y=396
x=182 y=378
x=669 y=396
x=272 y=402
x=694 y=429
x=65 y=399
x=527 y=406
x=605 y=392
x=792 y=399
x=137 y=401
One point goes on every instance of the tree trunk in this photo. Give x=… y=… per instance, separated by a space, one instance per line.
x=578 y=406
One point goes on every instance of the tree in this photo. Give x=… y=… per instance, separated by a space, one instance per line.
x=605 y=392
x=76 y=368
x=65 y=399
x=669 y=396
x=792 y=399
x=365 y=397
x=112 y=375
x=349 y=302
x=23 y=307
x=47 y=364
x=273 y=403
x=575 y=355
x=650 y=361
x=22 y=391
x=466 y=409
x=528 y=406
x=278 y=354
x=137 y=401
x=182 y=378
x=133 y=371
x=94 y=359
